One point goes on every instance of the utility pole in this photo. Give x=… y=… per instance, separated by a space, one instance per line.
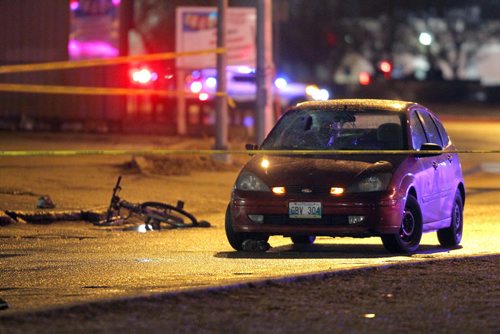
x=126 y=18
x=221 y=117
x=126 y=23
x=265 y=70
x=180 y=73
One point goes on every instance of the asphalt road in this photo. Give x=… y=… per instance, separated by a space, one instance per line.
x=44 y=266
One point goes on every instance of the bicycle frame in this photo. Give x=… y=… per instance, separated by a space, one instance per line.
x=153 y=213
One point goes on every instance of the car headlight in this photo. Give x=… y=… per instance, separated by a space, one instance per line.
x=317 y=94
x=378 y=182
x=249 y=182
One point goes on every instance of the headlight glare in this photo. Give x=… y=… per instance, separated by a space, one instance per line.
x=378 y=182
x=249 y=182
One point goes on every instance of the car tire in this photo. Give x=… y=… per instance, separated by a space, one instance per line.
x=451 y=236
x=410 y=233
x=236 y=239
x=303 y=239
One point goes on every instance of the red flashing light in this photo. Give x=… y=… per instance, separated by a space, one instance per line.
x=203 y=97
x=364 y=78
x=385 y=66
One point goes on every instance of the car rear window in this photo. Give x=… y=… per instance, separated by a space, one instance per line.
x=329 y=129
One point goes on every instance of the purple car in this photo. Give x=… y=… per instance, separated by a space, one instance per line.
x=370 y=189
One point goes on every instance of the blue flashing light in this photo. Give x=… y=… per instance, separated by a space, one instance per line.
x=248 y=121
x=196 y=75
x=280 y=83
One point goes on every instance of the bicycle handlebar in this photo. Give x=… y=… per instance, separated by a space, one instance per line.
x=114 y=199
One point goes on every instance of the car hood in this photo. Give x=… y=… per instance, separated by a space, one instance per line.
x=310 y=170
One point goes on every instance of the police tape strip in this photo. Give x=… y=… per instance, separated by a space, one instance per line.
x=80 y=90
x=38 y=153
x=64 y=65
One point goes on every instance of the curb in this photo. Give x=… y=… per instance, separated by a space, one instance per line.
x=262 y=283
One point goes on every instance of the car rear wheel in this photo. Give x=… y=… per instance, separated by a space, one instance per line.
x=236 y=239
x=451 y=236
x=410 y=232
x=303 y=239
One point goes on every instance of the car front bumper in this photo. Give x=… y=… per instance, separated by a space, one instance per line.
x=268 y=214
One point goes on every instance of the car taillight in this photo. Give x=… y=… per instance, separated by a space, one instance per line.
x=364 y=78
x=143 y=76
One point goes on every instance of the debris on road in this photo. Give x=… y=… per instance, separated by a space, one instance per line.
x=5 y=219
x=180 y=164
x=251 y=245
x=3 y=305
x=47 y=217
x=45 y=202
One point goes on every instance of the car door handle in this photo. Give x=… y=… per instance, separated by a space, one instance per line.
x=435 y=165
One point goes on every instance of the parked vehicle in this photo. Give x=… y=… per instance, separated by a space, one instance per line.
x=242 y=86
x=385 y=168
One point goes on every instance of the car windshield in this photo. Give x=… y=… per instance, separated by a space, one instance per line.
x=335 y=129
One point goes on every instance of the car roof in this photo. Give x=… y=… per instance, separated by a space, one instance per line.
x=360 y=104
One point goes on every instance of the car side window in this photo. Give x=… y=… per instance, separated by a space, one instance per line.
x=430 y=128
x=417 y=131
x=444 y=136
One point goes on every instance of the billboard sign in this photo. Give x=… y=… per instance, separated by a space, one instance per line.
x=93 y=29
x=196 y=29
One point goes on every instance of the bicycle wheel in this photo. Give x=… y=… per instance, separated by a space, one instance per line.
x=116 y=215
x=157 y=213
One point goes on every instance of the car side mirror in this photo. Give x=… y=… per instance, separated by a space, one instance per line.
x=251 y=147
x=431 y=150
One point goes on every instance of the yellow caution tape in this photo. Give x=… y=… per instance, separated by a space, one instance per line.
x=80 y=90
x=64 y=65
x=230 y=152
x=231 y=102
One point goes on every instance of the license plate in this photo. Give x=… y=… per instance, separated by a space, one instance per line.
x=305 y=210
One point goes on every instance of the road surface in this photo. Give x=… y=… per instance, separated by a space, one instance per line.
x=44 y=266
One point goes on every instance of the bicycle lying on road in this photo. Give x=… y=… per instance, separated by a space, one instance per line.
x=153 y=214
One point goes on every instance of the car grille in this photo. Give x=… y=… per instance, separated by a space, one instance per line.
x=313 y=190
x=327 y=220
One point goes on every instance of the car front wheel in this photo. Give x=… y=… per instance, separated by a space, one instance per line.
x=451 y=236
x=410 y=232
x=237 y=239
